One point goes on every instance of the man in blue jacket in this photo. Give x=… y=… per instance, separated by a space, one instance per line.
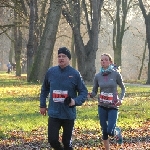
x=67 y=90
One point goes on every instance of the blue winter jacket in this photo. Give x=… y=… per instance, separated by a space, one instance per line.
x=66 y=79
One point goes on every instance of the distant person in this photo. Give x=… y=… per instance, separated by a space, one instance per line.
x=108 y=99
x=67 y=90
x=9 y=66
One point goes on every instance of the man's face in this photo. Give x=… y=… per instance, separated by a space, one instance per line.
x=63 y=60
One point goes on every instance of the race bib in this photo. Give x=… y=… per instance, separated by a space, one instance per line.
x=106 y=97
x=59 y=95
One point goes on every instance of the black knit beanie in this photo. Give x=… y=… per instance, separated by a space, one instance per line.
x=65 y=51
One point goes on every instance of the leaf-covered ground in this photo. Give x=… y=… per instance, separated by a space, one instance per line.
x=14 y=91
x=134 y=139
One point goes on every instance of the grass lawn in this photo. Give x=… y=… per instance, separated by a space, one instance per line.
x=21 y=124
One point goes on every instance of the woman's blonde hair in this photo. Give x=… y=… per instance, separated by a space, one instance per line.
x=109 y=56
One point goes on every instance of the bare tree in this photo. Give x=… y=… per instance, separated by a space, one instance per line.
x=30 y=45
x=21 y=17
x=86 y=53
x=143 y=58
x=146 y=16
x=45 y=49
x=18 y=42
x=15 y=25
x=119 y=26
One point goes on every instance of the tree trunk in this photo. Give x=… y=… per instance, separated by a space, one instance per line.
x=17 y=44
x=30 y=45
x=143 y=58
x=18 y=53
x=73 y=55
x=148 y=41
x=86 y=54
x=45 y=49
x=119 y=29
x=147 y=23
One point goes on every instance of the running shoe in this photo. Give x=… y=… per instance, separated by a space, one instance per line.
x=118 y=135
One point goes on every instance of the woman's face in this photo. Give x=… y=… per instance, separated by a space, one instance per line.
x=105 y=61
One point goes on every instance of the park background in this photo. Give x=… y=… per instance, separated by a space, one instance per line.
x=134 y=50
x=105 y=26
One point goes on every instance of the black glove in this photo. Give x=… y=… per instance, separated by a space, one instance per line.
x=67 y=101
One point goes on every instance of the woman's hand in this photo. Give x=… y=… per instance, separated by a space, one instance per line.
x=89 y=95
x=119 y=102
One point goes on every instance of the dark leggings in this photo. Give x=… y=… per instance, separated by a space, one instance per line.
x=54 y=125
x=108 y=118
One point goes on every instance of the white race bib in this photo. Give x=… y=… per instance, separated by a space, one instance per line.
x=106 y=97
x=59 y=95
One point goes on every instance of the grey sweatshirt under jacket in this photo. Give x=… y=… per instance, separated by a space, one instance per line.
x=108 y=91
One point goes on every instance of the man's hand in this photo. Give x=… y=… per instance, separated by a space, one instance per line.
x=72 y=103
x=69 y=101
x=43 y=111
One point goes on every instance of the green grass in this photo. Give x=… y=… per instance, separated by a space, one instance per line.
x=19 y=105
